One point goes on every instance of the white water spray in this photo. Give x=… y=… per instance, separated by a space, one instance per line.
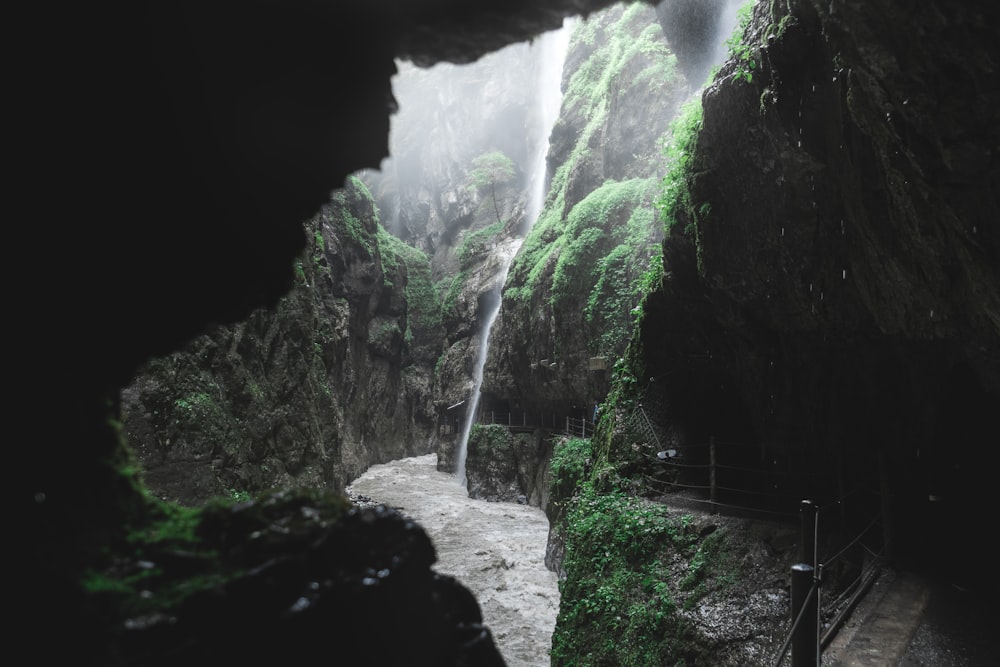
x=551 y=48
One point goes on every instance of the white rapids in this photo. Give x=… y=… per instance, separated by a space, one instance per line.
x=496 y=550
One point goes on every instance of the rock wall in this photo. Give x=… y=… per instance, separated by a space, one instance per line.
x=458 y=184
x=567 y=305
x=336 y=377
x=169 y=201
x=831 y=291
x=509 y=466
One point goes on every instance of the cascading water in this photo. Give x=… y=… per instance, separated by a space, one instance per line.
x=505 y=253
x=551 y=48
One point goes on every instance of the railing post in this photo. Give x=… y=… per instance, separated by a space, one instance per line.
x=888 y=547
x=805 y=610
x=807 y=534
x=711 y=467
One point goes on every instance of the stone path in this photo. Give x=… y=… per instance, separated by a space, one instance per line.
x=912 y=620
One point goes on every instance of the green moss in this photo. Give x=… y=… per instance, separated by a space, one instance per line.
x=617 y=604
x=197 y=407
x=478 y=243
x=742 y=53
x=353 y=197
x=555 y=242
x=175 y=553
x=493 y=438
x=568 y=467
x=422 y=301
x=452 y=289
x=675 y=197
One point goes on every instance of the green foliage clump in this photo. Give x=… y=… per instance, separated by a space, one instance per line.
x=493 y=438
x=568 y=466
x=490 y=170
x=197 y=407
x=355 y=230
x=675 y=195
x=339 y=213
x=451 y=289
x=478 y=242
x=616 y=602
x=742 y=53
x=605 y=248
x=423 y=306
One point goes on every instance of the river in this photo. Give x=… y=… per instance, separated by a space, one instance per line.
x=497 y=550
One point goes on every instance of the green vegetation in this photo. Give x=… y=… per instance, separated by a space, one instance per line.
x=490 y=170
x=197 y=406
x=617 y=602
x=423 y=306
x=495 y=438
x=568 y=466
x=176 y=553
x=632 y=568
x=477 y=243
x=679 y=150
x=450 y=289
x=353 y=197
x=598 y=252
x=742 y=53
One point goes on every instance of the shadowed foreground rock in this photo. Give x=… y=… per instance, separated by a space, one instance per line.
x=294 y=576
x=168 y=155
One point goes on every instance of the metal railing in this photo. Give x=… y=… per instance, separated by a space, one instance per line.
x=757 y=489
x=815 y=623
x=826 y=587
x=528 y=421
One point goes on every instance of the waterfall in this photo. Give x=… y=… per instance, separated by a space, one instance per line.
x=505 y=253
x=552 y=52
x=551 y=49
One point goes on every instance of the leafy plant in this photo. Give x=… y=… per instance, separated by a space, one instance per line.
x=477 y=242
x=570 y=457
x=743 y=53
x=679 y=151
x=490 y=170
x=617 y=547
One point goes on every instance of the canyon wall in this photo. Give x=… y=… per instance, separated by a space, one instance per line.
x=567 y=309
x=336 y=377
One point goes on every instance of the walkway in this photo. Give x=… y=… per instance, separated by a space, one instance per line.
x=912 y=620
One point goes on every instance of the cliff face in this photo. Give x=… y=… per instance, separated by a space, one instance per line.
x=829 y=300
x=457 y=185
x=831 y=290
x=336 y=377
x=171 y=199
x=566 y=313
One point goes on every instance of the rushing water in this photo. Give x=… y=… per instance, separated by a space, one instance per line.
x=505 y=252
x=551 y=48
x=496 y=550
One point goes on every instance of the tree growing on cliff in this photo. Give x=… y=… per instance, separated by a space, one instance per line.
x=490 y=170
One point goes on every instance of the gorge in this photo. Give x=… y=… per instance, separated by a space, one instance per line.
x=237 y=315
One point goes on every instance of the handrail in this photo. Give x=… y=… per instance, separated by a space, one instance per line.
x=836 y=609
